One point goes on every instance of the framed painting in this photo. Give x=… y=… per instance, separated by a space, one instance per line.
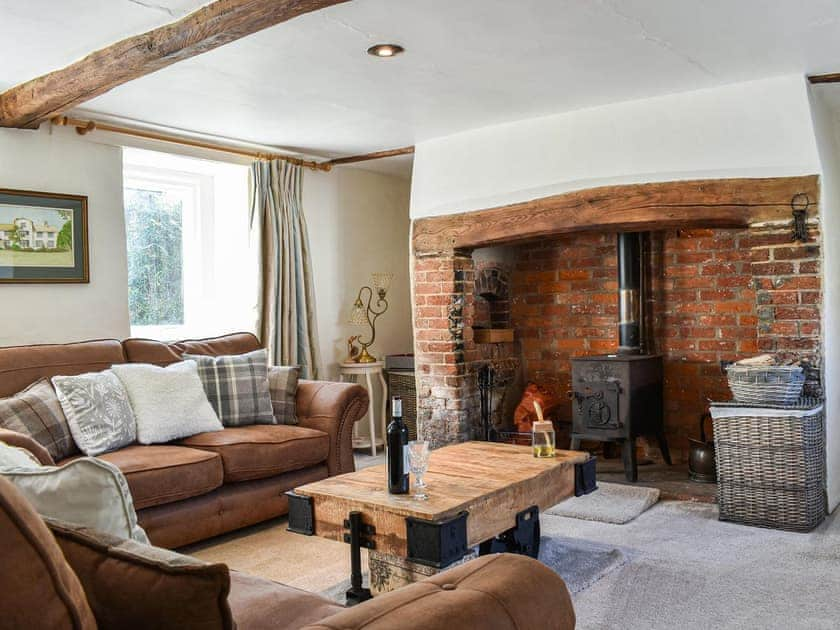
x=43 y=237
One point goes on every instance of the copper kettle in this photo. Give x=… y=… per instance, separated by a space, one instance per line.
x=701 y=456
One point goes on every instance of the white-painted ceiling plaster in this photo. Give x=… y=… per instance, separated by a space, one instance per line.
x=307 y=85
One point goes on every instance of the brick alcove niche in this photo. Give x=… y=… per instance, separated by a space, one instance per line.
x=726 y=281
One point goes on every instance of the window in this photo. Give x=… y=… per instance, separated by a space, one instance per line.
x=193 y=269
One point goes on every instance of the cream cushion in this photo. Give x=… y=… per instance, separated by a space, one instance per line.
x=168 y=402
x=16 y=457
x=86 y=491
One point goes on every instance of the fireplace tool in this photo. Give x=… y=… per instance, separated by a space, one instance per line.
x=486 y=378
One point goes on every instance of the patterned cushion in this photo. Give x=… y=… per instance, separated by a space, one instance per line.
x=283 y=384
x=37 y=413
x=237 y=387
x=98 y=411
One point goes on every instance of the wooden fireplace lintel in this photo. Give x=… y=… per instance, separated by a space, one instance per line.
x=705 y=203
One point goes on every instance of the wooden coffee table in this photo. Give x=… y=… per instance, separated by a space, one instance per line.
x=481 y=494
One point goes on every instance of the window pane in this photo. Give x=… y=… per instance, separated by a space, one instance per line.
x=154 y=231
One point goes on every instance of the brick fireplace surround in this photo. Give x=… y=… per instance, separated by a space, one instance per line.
x=715 y=294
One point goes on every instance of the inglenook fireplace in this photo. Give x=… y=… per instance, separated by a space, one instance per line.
x=723 y=280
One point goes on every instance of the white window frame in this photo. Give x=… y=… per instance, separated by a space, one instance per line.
x=196 y=193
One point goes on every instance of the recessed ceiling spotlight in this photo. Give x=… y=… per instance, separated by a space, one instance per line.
x=385 y=50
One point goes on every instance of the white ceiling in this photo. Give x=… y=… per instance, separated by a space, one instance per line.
x=308 y=85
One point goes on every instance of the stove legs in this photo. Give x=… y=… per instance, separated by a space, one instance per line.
x=628 y=456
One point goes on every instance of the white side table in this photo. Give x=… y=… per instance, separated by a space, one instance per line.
x=354 y=370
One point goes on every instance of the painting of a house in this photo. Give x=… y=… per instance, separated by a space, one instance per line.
x=36 y=236
x=28 y=234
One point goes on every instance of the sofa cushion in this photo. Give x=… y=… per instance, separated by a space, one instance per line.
x=130 y=585
x=161 y=474
x=259 y=451
x=20 y=366
x=160 y=353
x=38 y=589
x=86 y=491
x=237 y=387
x=36 y=412
x=258 y=604
x=168 y=402
x=283 y=386
x=98 y=410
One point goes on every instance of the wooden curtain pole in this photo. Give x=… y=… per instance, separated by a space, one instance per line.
x=833 y=77
x=86 y=126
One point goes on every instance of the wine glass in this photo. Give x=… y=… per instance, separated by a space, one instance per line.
x=418 y=461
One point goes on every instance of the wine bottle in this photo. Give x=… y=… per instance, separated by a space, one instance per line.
x=397 y=447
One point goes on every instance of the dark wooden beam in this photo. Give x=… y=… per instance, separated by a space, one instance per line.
x=722 y=203
x=221 y=22
x=833 y=77
x=371 y=156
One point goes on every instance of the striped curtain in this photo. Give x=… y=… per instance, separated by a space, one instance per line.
x=287 y=306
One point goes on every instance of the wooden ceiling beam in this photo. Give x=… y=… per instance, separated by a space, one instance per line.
x=216 y=24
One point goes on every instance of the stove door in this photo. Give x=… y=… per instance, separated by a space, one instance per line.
x=596 y=406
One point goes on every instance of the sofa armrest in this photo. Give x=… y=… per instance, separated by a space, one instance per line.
x=332 y=408
x=495 y=592
x=21 y=440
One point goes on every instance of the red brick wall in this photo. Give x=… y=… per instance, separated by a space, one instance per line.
x=715 y=295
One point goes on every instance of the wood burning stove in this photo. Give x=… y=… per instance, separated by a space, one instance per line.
x=618 y=397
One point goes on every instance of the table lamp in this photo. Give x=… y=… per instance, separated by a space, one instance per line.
x=365 y=313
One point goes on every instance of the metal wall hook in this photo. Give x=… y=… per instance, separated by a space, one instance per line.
x=799 y=205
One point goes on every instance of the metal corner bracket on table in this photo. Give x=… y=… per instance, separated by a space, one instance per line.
x=437 y=543
x=585 y=481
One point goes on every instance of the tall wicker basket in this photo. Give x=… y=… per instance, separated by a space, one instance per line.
x=771 y=464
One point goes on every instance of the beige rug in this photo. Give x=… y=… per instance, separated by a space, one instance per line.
x=269 y=551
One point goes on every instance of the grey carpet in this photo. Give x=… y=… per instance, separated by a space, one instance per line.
x=688 y=570
x=611 y=503
x=580 y=563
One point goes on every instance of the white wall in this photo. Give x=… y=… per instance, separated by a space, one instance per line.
x=358 y=224
x=827 y=131
x=755 y=129
x=48 y=313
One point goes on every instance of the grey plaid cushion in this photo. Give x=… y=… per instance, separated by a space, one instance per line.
x=283 y=382
x=37 y=413
x=237 y=387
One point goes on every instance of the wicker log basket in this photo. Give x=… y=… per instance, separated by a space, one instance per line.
x=771 y=464
x=766 y=385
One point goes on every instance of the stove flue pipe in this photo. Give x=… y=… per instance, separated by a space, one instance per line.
x=629 y=292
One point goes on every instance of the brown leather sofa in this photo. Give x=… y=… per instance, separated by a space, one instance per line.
x=209 y=483
x=61 y=576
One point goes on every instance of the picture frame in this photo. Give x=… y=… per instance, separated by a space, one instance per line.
x=43 y=238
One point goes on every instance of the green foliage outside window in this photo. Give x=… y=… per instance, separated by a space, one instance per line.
x=154 y=226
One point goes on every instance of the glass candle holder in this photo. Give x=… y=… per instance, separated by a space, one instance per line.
x=543 y=439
